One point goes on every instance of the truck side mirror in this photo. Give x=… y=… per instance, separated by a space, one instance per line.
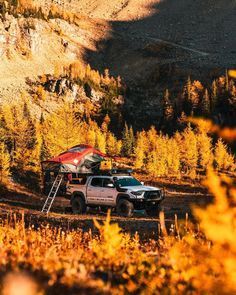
x=111 y=185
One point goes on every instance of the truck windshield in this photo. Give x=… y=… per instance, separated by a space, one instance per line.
x=121 y=182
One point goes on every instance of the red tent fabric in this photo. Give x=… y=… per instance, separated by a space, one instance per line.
x=75 y=154
x=79 y=159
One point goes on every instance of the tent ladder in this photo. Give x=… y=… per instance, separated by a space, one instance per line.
x=52 y=194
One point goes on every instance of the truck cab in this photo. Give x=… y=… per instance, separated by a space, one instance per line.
x=124 y=193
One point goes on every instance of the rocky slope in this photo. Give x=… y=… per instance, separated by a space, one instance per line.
x=152 y=44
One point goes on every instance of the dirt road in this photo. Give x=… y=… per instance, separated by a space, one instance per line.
x=179 y=200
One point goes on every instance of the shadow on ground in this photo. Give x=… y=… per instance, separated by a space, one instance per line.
x=178 y=39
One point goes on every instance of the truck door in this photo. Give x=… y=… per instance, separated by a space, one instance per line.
x=94 y=191
x=108 y=193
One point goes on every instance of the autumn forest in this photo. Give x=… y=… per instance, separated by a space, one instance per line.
x=149 y=84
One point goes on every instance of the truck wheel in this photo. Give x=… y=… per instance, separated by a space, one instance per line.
x=78 y=205
x=153 y=211
x=125 y=208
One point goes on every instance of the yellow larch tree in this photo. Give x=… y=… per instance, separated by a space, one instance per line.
x=21 y=135
x=157 y=154
x=100 y=141
x=113 y=146
x=62 y=129
x=173 y=157
x=224 y=160
x=189 y=152
x=140 y=150
x=204 y=145
x=5 y=162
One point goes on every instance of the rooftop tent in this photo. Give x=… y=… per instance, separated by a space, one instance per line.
x=78 y=159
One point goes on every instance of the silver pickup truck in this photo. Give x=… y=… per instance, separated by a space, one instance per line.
x=123 y=193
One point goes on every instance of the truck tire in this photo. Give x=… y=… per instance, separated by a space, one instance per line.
x=78 y=205
x=125 y=208
x=153 y=211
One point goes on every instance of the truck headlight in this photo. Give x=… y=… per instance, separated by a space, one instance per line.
x=137 y=193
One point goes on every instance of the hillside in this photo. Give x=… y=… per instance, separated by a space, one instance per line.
x=152 y=45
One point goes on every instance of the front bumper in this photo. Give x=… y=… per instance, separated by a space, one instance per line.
x=150 y=198
x=154 y=196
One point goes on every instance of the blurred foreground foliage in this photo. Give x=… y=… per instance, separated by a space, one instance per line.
x=187 y=259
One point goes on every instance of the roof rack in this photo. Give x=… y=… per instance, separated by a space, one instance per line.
x=115 y=171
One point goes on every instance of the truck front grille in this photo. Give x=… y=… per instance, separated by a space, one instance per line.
x=153 y=195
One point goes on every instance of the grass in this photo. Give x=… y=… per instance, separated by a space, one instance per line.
x=186 y=260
